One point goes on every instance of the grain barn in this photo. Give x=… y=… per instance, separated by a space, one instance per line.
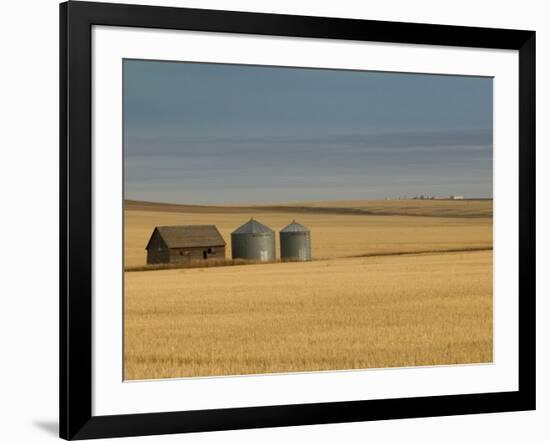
x=253 y=241
x=183 y=243
x=295 y=242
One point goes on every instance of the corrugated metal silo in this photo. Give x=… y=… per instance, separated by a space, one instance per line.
x=253 y=241
x=295 y=242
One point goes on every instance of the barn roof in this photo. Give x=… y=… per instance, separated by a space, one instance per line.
x=253 y=227
x=294 y=227
x=189 y=236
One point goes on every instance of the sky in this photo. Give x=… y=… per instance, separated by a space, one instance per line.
x=202 y=133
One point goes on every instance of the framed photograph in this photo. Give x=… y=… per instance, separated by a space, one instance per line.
x=272 y=220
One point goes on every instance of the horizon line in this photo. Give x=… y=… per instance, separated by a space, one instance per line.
x=272 y=203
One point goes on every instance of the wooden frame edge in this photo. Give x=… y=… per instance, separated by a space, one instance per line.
x=75 y=394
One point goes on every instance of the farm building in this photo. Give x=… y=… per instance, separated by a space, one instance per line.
x=253 y=241
x=183 y=243
x=295 y=242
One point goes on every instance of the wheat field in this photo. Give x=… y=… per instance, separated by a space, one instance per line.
x=338 y=312
x=334 y=234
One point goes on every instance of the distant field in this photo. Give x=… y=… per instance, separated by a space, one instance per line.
x=431 y=208
x=337 y=312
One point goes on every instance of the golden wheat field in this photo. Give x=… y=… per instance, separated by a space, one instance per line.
x=340 y=311
x=418 y=226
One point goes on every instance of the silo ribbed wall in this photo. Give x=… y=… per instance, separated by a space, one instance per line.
x=295 y=245
x=253 y=246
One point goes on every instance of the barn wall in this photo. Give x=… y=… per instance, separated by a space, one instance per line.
x=157 y=251
x=217 y=253
x=184 y=255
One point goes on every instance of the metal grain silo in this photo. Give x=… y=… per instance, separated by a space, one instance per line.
x=295 y=242
x=253 y=241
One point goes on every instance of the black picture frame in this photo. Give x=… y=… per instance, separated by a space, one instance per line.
x=76 y=21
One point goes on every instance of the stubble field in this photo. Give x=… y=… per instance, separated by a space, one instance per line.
x=341 y=311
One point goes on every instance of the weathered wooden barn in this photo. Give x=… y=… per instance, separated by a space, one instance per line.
x=183 y=243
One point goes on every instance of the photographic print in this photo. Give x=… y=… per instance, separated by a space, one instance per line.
x=285 y=219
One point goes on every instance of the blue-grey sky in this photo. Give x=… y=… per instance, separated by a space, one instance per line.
x=215 y=133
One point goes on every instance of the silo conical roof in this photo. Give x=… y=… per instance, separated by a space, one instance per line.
x=253 y=227
x=294 y=227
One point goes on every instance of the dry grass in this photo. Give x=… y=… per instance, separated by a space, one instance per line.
x=328 y=315
x=211 y=263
